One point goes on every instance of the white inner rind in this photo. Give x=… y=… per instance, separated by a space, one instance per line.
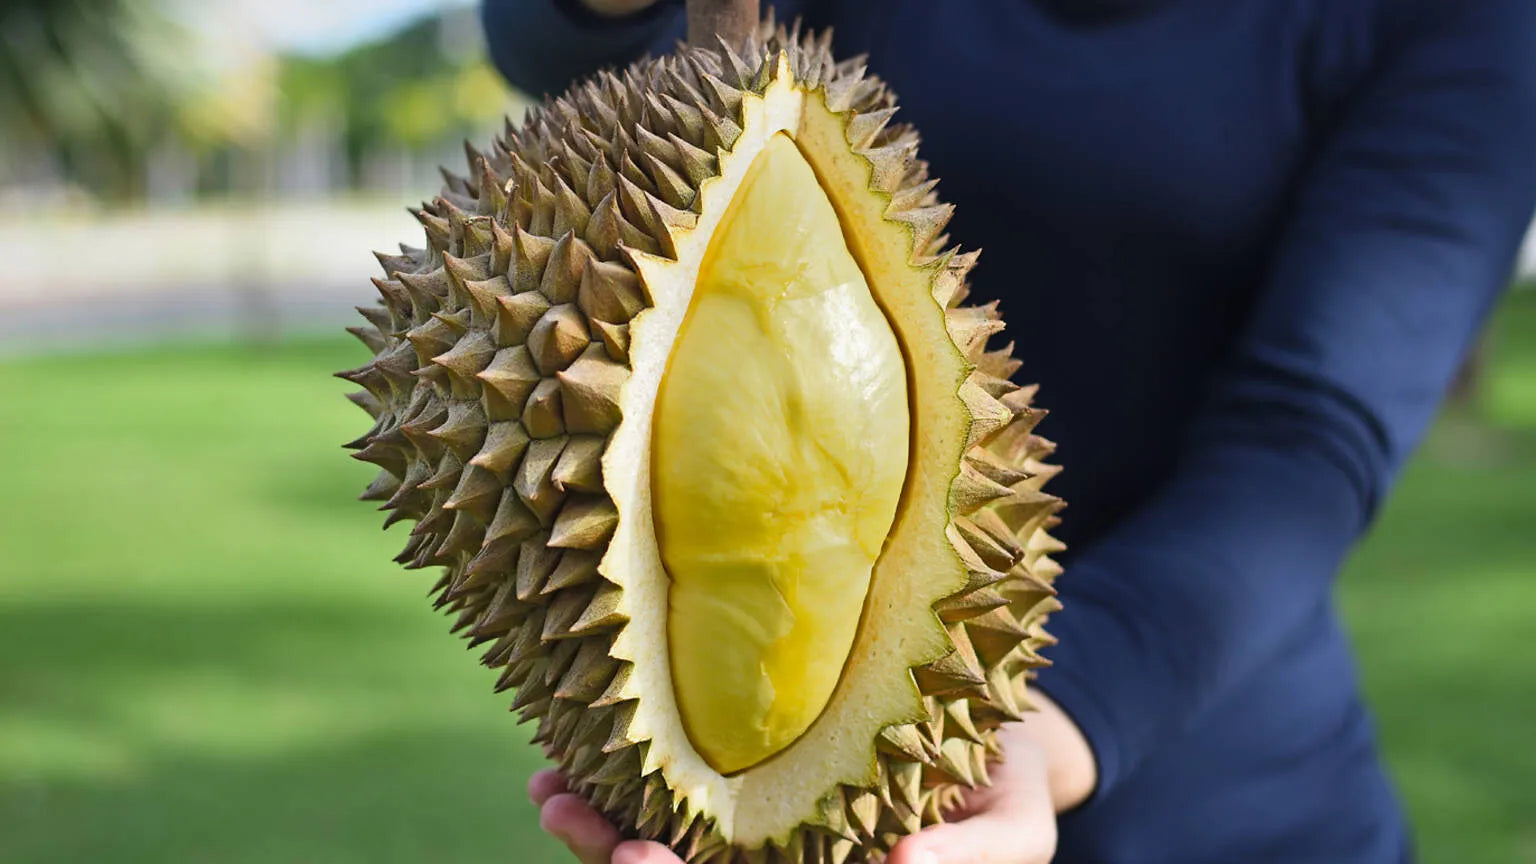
x=770 y=800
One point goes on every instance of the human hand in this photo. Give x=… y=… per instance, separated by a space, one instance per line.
x=616 y=8
x=590 y=837
x=1047 y=767
x=1010 y=822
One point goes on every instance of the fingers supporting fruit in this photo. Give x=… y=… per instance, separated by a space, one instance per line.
x=590 y=837
x=544 y=785
x=644 y=852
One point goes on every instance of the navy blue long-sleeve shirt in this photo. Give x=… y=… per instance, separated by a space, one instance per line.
x=1244 y=244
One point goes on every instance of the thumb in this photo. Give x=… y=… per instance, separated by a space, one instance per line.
x=1015 y=822
x=994 y=838
x=642 y=852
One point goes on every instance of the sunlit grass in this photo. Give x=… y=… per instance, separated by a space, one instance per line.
x=1442 y=602
x=205 y=654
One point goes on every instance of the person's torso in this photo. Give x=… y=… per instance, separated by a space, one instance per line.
x=1127 y=175
x=1126 y=166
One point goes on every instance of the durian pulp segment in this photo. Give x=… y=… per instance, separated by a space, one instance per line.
x=780 y=449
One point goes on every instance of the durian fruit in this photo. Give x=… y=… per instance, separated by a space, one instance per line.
x=681 y=396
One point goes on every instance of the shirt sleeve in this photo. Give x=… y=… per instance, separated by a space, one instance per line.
x=1401 y=238
x=541 y=46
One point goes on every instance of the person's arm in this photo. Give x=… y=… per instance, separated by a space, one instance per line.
x=541 y=46
x=1400 y=240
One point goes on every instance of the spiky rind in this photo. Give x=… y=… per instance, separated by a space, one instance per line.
x=500 y=349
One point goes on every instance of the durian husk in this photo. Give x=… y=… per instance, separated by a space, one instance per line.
x=502 y=355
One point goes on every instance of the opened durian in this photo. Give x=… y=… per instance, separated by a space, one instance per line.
x=681 y=397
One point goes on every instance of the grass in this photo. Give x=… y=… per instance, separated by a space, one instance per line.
x=1441 y=600
x=206 y=656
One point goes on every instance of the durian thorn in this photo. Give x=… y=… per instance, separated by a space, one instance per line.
x=436 y=228
x=568 y=259
x=473 y=157
x=605 y=611
x=655 y=146
x=542 y=413
x=455 y=182
x=393 y=264
x=863 y=127
x=690 y=121
x=375 y=406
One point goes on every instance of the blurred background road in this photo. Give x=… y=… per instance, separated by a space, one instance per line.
x=178 y=168
x=205 y=654
x=233 y=270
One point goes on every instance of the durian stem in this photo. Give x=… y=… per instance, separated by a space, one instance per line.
x=731 y=20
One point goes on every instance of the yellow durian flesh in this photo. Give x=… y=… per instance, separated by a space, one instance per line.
x=780 y=450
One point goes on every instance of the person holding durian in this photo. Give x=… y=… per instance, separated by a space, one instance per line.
x=1243 y=245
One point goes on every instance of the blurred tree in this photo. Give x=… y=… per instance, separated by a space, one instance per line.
x=115 y=97
x=416 y=88
x=77 y=81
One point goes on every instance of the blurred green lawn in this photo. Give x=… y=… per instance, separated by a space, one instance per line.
x=205 y=654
